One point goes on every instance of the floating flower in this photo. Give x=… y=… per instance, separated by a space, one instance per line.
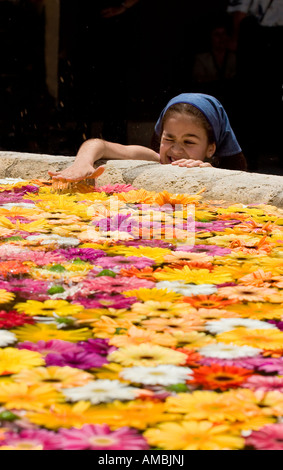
x=6 y=297
x=162 y=374
x=6 y=338
x=269 y=437
x=48 y=332
x=262 y=338
x=58 y=377
x=229 y=324
x=220 y=377
x=147 y=355
x=33 y=397
x=30 y=439
x=48 y=308
x=13 y=360
x=100 y=437
x=100 y=391
x=193 y=435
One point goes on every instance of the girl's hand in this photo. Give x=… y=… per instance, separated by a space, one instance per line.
x=191 y=163
x=77 y=173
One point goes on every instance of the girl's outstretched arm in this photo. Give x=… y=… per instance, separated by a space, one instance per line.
x=95 y=149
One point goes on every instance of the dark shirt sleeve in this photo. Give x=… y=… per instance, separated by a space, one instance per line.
x=234 y=162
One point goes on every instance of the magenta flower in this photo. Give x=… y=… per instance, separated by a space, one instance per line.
x=119 y=262
x=29 y=438
x=27 y=288
x=278 y=324
x=264 y=384
x=100 y=437
x=110 y=285
x=115 y=188
x=266 y=364
x=269 y=437
x=85 y=254
x=106 y=301
x=78 y=360
x=242 y=363
x=54 y=346
x=151 y=243
x=121 y=222
x=98 y=346
x=212 y=250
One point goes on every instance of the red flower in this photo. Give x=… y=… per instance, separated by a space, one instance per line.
x=12 y=319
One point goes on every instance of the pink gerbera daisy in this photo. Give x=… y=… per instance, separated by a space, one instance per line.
x=110 y=285
x=30 y=439
x=56 y=346
x=119 y=262
x=269 y=437
x=100 y=437
x=265 y=384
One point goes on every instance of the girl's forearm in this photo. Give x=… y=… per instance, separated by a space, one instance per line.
x=95 y=149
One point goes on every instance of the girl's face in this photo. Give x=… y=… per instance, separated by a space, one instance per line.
x=184 y=138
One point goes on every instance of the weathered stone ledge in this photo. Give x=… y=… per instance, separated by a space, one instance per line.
x=230 y=185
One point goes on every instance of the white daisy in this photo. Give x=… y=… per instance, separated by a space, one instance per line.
x=100 y=391
x=6 y=337
x=228 y=351
x=228 y=324
x=187 y=289
x=26 y=205
x=11 y=181
x=49 y=239
x=164 y=374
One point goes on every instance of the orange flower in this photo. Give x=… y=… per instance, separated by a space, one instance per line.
x=185 y=324
x=252 y=247
x=220 y=377
x=246 y=293
x=145 y=273
x=13 y=268
x=193 y=357
x=257 y=278
x=264 y=339
x=137 y=196
x=257 y=310
x=208 y=301
x=168 y=198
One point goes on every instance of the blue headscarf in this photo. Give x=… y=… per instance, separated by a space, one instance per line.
x=225 y=139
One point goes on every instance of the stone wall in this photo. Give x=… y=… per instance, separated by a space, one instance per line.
x=232 y=186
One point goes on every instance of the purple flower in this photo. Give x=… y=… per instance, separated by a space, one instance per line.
x=111 y=262
x=278 y=324
x=79 y=360
x=121 y=222
x=56 y=346
x=106 y=301
x=150 y=243
x=212 y=250
x=242 y=363
x=85 y=254
x=98 y=346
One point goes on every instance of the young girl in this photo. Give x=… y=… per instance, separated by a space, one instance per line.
x=193 y=130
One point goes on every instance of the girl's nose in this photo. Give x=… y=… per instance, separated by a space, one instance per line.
x=177 y=149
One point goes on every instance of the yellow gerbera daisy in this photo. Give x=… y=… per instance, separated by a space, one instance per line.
x=150 y=308
x=194 y=435
x=45 y=332
x=36 y=226
x=106 y=327
x=6 y=297
x=48 y=308
x=14 y=360
x=212 y=406
x=257 y=310
x=155 y=294
x=157 y=254
x=183 y=199
x=193 y=339
x=90 y=316
x=147 y=355
x=62 y=415
x=58 y=377
x=195 y=276
x=263 y=339
x=137 y=196
x=24 y=397
x=109 y=371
